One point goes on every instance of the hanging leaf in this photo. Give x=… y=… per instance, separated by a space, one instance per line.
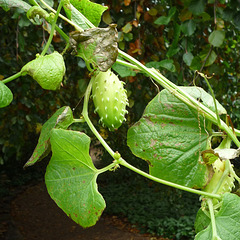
x=7 y=4
x=6 y=95
x=92 y=11
x=170 y=136
x=62 y=118
x=187 y=58
x=197 y=6
x=227 y=220
x=188 y=27
x=97 y=46
x=163 y=20
x=216 y=38
x=71 y=177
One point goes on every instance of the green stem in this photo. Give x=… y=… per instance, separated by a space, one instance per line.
x=127 y=64
x=91 y=126
x=62 y=33
x=61 y=16
x=13 y=77
x=214 y=100
x=79 y=120
x=171 y=184
x=33 y=2
x=52 y=29
x=211 y=210
x=107 y=168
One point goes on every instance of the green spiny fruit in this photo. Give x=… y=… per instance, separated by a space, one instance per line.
x=110 y=99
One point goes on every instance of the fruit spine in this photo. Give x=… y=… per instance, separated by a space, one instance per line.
x=110 y=99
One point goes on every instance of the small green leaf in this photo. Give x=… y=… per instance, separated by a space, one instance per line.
x=123 y=71
x=202 y=221
x=211 y=58
x=167 y=64
x=170 y=136
x=6 y=95
x=188 y=58
x=71 y=177
x=197 y=6
x=196 y=63
x=92 y=11
x=216 y=38
x=163 y=20
x=62 y=118
x=188 y=27
x=97 y=46
x=205 y=98
x=47 y=70
x=227 y=220
x=7 y=4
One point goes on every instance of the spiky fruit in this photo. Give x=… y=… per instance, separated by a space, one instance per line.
x=110 y=99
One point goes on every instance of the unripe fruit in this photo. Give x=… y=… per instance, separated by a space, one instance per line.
x=110 y=99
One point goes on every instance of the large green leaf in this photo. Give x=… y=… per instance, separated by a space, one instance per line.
x=6 y=4
x=227 y=220
x=205 y=98
x=170 y=136
x=6 y=95
x=62 y=118
x=71 y=177
x=92 y=11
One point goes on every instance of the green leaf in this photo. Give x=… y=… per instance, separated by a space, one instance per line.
x=211 y=58
x=47 y=70
x=227 y=220
x=71 y=177
x=62 y=118
x=167 y=64
x=97 y=46
x=174 y=48
x=205 y=98
x=163 y=20
x=216 y=38
x=188 y=27
x=202 y=221
x=6 y=4
x=170 y=136
x=92 y=11
x=196 y=63
x=188 y=58
x=6 y=95
x=197 y=6
x=123 y=71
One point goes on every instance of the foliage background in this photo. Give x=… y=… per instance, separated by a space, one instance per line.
x=172 y=36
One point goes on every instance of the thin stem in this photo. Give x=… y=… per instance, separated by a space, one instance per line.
x=33 y=2
x=107 y=168
x=61 y=16
x=79 y=120
x=127 y=64
x=52 y=29
x=13 y=77
x=214 y=100
x=91 y=126
x=125 y=164
x=211 y=210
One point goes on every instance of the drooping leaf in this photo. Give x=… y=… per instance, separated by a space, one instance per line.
x=170 y=136
x=227 y=220
x=92 y=11
x=216 y=38
x=71 y=177
x=62 y=118
x=167 y=64
x=197 y=6
x=97 y=46
x=7 y=4
x=163 y=20
x=188 y=27
x=206 y=99
x=187 y=58
x=6 y=95
x=47 y=70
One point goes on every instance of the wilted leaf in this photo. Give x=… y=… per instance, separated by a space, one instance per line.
x=62 y=118
x=71 y=177
x=170 y=136
x=7 y=4
x=97 y=46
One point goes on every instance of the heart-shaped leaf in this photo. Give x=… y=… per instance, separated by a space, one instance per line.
x=71 y=177
x=170 y=136
x=6 y=95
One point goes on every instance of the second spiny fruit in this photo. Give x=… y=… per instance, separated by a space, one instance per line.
x=110 y=99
